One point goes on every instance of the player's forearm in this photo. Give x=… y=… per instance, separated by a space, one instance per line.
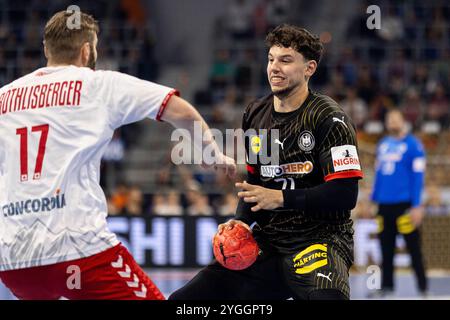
x=340 y=194
x=243 y=212
x=182 y=115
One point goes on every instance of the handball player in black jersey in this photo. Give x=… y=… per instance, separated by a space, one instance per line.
x=299 y=208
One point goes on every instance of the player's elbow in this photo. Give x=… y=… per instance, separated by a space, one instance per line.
x=350 y=204
x=178 y=112
x=348 y=194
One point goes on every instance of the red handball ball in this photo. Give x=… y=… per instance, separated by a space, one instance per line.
x=235 y=249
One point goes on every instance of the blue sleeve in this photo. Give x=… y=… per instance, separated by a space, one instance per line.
x=418 y=164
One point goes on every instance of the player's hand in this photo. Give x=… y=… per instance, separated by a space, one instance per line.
x=224 y=164
x=230 y=225
x=416 y=215
x=267 y=199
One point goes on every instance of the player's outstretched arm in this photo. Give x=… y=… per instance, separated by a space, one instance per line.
x=181 y=114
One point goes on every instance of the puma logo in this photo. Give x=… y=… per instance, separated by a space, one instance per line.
x=339 y=120
x=280 y=143
x=319 y=274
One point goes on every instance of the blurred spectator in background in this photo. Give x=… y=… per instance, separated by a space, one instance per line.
x=226 y=111
x=198 y=204
x=366 y=85
x=393 y=28
x=135 y=12
x=441 y=69
x=239 y=19
x=229 y=204
x=438 y=107
x=355 y=107
x=135 y=202
x=412 y=107
x=260 y=23
x=112 y=209
x=379 y=106
x=336 y=86
x=3 y=70
x=277 y=12
x=244 y=72
x=222 y=70
x=420 y=79
x=348 y=66
x=397 y=73
x=434 y=204
x=398 y=185
x=167 y=205
x=119 y=197
x=159 y=204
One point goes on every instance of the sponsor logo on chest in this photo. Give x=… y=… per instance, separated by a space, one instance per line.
x=288 y=168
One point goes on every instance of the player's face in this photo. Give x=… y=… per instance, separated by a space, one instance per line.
x=285 y=70
x=395 y=123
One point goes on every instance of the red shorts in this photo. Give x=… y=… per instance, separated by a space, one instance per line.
x=112 y=274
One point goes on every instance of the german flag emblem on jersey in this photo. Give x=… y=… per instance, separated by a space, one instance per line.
x=310 y=259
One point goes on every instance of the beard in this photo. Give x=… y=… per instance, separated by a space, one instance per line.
x=285 y=92
x=92 y=60
x=293 y=85
x=396 y=132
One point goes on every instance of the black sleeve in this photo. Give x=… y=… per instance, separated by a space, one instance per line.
x=243 y=211
x=338 y=194
x=338 y=149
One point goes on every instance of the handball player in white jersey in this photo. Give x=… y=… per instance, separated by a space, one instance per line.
x=55 y=124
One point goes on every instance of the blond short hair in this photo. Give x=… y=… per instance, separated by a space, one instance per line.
x=63 y=43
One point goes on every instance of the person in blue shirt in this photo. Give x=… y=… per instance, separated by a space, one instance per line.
x=399 y=181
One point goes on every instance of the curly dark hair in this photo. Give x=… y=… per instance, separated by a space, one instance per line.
x=301 y=40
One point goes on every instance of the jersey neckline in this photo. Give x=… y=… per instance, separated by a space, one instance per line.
x=286 y=115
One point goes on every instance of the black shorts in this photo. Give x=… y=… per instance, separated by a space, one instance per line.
x=315 y=272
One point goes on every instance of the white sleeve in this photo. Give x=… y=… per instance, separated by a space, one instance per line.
x=129 y=99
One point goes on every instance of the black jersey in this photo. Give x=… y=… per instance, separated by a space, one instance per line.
x=315 y=143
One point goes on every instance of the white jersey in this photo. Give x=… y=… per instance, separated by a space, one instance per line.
x=55 y=124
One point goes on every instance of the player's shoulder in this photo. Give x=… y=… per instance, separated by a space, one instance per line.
x=384 y=141
x=326 y=113
x=105 y=74
x=322 y=106
x=414 y=141
x=108 y=73
x=259 y=103
x=117 y=79
x=413 y=138
x=321 y=98
x=5 y=87
x=18 y=81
